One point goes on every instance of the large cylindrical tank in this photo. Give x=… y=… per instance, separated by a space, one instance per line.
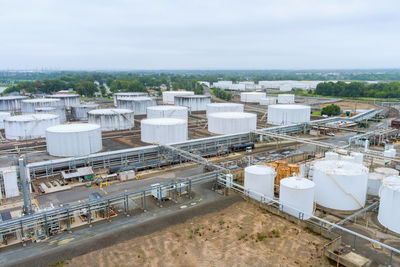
x=67 y=100
x=267 y=101
x=80 y=112
x=11 y=103
x=72 y=140
x=260 y=179
x=288 y=114
x=31 y=126
x=193 y=102
x=60 y=111
x=112 y=119
x=389 y=215
x=231 y=122
x=164 y=130
x=127 y=94
x=297 y=193
x=138 y=105
x=29 y=105
x=285 y=99
x=340 y=185
x=176 y=112
x=3 y=116
x=224 y=107
x=252 y=97
x=169 y=96
x=375 y=179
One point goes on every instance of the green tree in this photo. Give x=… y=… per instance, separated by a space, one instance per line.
x=331 y=110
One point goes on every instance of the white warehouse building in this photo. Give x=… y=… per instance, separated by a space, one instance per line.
x=112 y=119
x=231 y=122
x=176 y=112
x=288 y=114
x=164 y=130
x=193 y=102
x=31 y=126
x=169 y=96
x=138 y=105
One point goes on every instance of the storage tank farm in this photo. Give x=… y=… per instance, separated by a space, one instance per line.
x=166 y=111
x=389 y=215
x=231 y=122
x=375 y=179
x=260 y=179
x=117 y=96
x=138 y=105
x=80 y=112
x=193 y=102
x=3 y=116
x=29 y=105
x=11 y=103
x=53 y=110
x=252 y=97
x=223 y=107
x=164 y=130
x=29 y=126
x=288 y=114
x=67 y=100
x=112 y=119
x=285 y=99
x=169 y=96
x=73 y=140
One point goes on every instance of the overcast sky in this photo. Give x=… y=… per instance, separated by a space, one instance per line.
x=204 y=34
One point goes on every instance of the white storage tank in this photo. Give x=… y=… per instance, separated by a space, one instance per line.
x=224 y=107
x=375 y=179
x=80 y=112
x=176 y=112
x=260 y=179
x=31 y=126
x=29 y=105
x=297 y=193
x=138 y=105
x=386 y=171
x=11 y=103
x=169 y=96
x=117 y=96
x=3 y=116
x=267 y=101
x=358 y=157
x=112 y=119
x=389 y=215
x=164 y=130
x=252 y=97
x=330 y=155
x=231 y=122
x=340 y=185
x=73 y=140
x=193 y=102
x=285 y=99
x=60 y=111
x=288 y=114
x=67 y=100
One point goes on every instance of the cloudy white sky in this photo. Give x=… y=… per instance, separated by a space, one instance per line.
x=199 y=34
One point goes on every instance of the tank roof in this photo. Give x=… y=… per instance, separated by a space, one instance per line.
x=32 y=117
x=45 y=108
x=178 y=92
x=110 y=111
x=63 y=96
x=289 y=106
x=163 y=121
x=139 y=98
x=166 y=107
x=193 y=96
x=10 y=97
x=73 y=127
x=40 y=100
x=297 y=183
x=260 y=169
x=392 y=182
x=85 y=105
x=232 y=115
x=386 y=171
x=223 y=104
x=340 y=167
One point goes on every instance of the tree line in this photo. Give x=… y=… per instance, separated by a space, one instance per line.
x=359 y=89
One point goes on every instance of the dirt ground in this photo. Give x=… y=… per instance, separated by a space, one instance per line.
x=240 y=235
x=351 y=105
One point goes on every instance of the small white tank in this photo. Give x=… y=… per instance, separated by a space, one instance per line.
x=176 y=112
x=260 y=179
x=112 y=119
x=137 y=104
x=331 y=155
x=60 y=111
x=164 y=130
x=298 y=193
x=31 y=126
x=80 y=112
x=288 y=114
x=224 y=107
x=374 y=183
x=389 y=215
x=285 y=99
x=231 y=122
x=169 y=96
x=3 y=116
x=252 y=97
x=29 y=105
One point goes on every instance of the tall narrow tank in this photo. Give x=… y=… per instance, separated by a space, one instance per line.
x=285 y=99
x=193 y=102
x=60 y=111
x=176 y=112
x=3 y=116
x=112 y=119
x=72 y=140
x=29 y=105
x=252 y=97
x=137 y=104
x=11 y=103
x=288 y=114
x=340 y=185
x=164 y=130
x=389 y=215
x=117 y=96
x=231 y=122
x=298 y=193
x=80 y=112
x=224 y=107
x=260 y=179
x=31 y=126
x=67 y=100
x=169 y=96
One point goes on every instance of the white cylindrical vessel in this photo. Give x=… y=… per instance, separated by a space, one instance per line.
x=389 y=215
x=117 y=96
x=252 y=97
x=231 y=122
x=32 y=126
x=340 y=185
x=358 y=157
x=386 y=171
x=267 y=101
x=259 y=179
x=285 y=99
x=73 y=140
x=169 y=96
x=164 y=130
x=297 y=196
x=331 y=155
x=375 y=179
x=112 y=119
x=193 y=102
x=80 y=112
x=224 y=107
x=288 y=114
x=60 y=111
x=176 y=112
x=29 y=105
x=137 y=104
x=11 y=103
x=67 y=100
x=3 y=116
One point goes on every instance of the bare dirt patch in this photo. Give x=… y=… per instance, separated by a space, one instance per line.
x=240 y=235
x=351 y=105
